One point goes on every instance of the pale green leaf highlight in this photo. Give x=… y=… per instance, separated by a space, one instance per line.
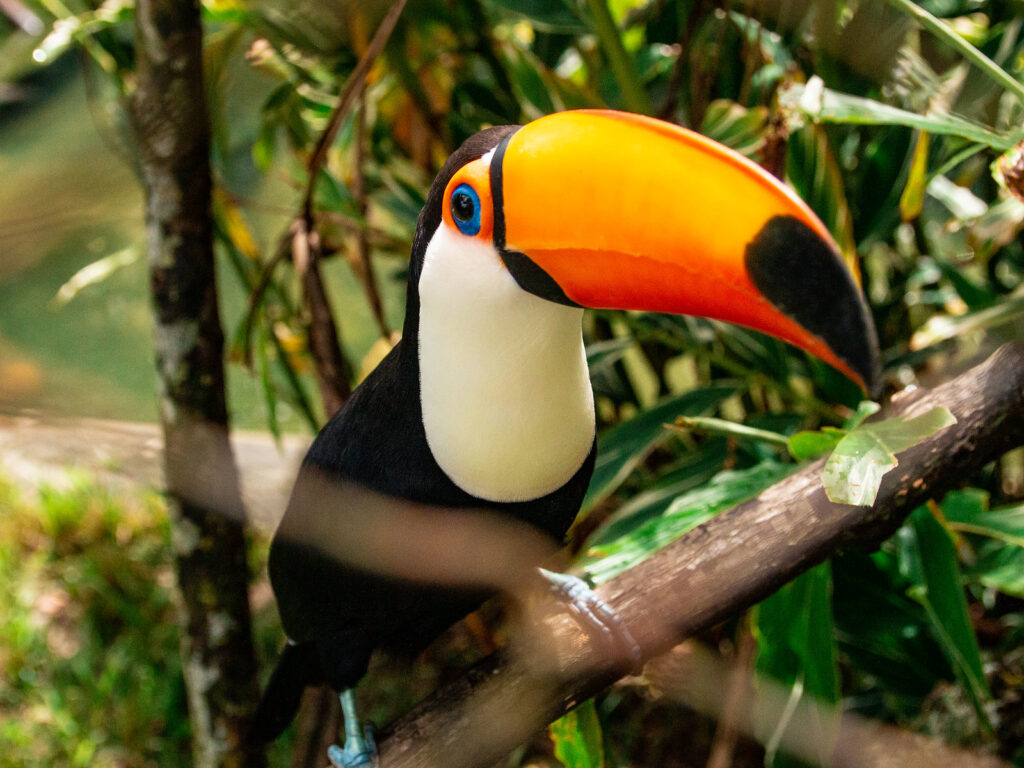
x=855 y=470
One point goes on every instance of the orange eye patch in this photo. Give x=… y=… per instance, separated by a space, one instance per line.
x=468 y=206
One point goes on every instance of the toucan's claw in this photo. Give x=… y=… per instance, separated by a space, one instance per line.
x=360 y=747
x=357 y=752
x=597 y=617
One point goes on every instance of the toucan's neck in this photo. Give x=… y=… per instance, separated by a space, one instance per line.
x=504 y=389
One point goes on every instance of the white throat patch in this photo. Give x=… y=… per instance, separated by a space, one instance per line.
x=504 y=387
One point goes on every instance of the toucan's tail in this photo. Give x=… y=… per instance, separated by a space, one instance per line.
x=298 y=667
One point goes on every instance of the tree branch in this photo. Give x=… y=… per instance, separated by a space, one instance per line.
x=718 y=569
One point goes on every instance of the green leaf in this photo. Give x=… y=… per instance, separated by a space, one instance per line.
x=726 y=490
x=601 y=355
x=697 y=468
x=975 y=296
x=854 y=471
x=939 y=588
x=736 y=126
x=823 y=105
x=1000 y=567
x=546 y=15
x=808 y=444
x=812 y=169
x=884 y=634
x=944 y=327
x=1005 y=523
x=912 y=199
x=865 y=408
x=266 y=383
x=621 y=448
x=796 y=640
x=726 y=427
x=577 y=737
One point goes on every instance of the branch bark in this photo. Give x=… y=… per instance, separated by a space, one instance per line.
x=171 y=130
x=720 y=568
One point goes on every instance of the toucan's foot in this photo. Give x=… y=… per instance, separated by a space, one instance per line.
x=598 y=618
x=358 y=750
x=360 y=747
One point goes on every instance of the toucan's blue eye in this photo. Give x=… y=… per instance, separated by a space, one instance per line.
x=466 y=209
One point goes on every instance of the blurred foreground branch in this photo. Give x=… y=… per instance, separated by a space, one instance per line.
x=720 y=568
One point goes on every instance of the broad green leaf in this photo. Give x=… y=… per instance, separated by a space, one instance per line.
x=696 y=469
x=884 y=633
x=808 y=444
x=796 y=645
x=854 y=471
x=726 y=490
x=1005 y=523
x=998 y=563
x=912 y=198
x=577 y=737
x=939 y=588
x=621 y=448
x=1001 y=567
x=823 y=105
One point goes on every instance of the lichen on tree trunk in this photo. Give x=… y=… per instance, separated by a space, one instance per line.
x=170 y=126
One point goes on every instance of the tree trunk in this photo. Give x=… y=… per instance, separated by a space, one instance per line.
x=172 y=134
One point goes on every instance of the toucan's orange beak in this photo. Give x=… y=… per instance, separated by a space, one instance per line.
x=627 y=212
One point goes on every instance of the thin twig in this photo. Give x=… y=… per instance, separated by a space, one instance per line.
x=353 y=87
x=333 y=373
x=362 y=240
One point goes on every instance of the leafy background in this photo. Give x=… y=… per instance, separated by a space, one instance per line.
x=882 y=115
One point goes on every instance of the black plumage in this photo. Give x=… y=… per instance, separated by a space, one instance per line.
x=334 y=614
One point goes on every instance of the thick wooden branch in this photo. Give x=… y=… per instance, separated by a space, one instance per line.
x=722 y=567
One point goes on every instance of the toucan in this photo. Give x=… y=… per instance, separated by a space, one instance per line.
x=486 y=404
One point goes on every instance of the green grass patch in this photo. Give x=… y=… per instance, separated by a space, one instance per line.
x=88 y=630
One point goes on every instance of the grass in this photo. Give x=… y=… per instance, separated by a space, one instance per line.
x=88 y=631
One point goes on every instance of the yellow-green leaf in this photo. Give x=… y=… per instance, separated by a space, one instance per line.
x=577 y=738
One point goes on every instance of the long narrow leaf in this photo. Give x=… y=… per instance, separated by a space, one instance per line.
x=940 y=590
x=828 y=106
x=797 y=646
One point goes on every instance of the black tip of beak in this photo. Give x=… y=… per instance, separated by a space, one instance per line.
x=805 y=278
